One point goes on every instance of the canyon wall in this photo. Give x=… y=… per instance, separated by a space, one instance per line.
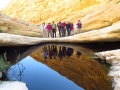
x=37 y=11
x=102 y=17
x=47 y=10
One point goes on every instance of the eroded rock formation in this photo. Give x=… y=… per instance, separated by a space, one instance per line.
x=94 y=14
x=108 y=34
x=47 y=10
x=103 y=20
x=113 y=58
x=18 y=26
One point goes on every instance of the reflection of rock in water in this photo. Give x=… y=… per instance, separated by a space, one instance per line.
x=14 y=53
x=76 y=65
x=3 y=76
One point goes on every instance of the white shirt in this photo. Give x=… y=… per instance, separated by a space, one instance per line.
x=43 y=27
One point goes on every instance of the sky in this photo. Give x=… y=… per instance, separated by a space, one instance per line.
x=4 y=3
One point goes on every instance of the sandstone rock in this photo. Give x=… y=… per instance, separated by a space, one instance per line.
x=18 y=26
x=98 y=18
x=13 y=85
x=11 y=40
x=113 y=58
x=94 y=14
x=3 y=28
x=108 y=34
x=104 y=16
x=44 y=10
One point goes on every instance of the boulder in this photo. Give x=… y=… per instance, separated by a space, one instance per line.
x=13 y=85
x=113 y=58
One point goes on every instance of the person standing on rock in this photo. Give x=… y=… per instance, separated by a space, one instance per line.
x=53 y=29
x=64 y=28
x=68 y=28
x=79 y=26
x=49 y=29
x=44 y=30
x=72 y=28
x=59 y=28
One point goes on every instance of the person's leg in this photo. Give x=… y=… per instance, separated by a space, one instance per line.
x=69 y=32
x=65 y=31
x=59 y=32
x=62 y=30
x=48 y=33
x=78 y=30
x=52 y=33
x=73 y=32
x=55 y=33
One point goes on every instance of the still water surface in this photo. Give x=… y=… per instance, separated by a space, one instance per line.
x=38 y=76
x=58 y=67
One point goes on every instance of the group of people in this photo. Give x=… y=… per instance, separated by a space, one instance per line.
x=62 y=52
x=50 y=29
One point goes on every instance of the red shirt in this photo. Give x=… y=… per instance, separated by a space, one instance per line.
x=49 y=27
x=64 y=24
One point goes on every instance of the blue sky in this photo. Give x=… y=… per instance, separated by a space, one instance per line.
x=4 y=3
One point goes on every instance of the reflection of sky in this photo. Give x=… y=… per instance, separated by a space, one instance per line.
x=38 y=76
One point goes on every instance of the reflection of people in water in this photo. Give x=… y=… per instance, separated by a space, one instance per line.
x=64 y=51
x=69 y=51
x=45 y=52
x=78 y=54
x=50 y=52
x=60 y=54
x=55 y=51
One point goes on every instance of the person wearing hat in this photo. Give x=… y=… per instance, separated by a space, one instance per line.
x=49 y=29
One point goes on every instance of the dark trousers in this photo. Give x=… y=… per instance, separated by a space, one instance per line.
x=54 y=33
x=68 y=31
x=63 y=32
x=59 y=32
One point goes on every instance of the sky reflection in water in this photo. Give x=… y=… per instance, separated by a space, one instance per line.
x=71 y=69
x=38 y=76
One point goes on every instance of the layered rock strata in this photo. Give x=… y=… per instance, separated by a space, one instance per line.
x=18 y=26
x=94 y=14
x=109 y=34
